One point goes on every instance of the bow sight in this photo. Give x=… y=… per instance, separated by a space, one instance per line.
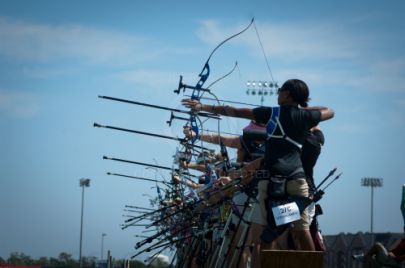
x=184 y=86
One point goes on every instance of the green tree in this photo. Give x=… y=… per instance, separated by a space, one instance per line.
x=54 y=262
x=19 y=258
x=89 y=261
x=43 y=261
x=66 y=259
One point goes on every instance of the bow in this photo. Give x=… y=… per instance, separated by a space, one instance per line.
x=197 y=93
x=198 y=90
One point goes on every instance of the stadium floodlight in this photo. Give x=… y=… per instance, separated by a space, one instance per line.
x=261 y=88
x=84 y=182
x=373 y=183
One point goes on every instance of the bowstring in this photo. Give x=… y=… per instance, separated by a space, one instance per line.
x=264 y=52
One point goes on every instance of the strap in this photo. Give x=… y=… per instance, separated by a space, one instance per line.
x=272 y=124
x=284 y=136
x=245 y=146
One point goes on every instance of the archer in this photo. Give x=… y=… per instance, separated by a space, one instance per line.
x=287 y=126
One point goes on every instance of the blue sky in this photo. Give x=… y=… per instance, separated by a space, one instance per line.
x=56 y=57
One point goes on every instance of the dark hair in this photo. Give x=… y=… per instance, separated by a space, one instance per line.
x=299 y=91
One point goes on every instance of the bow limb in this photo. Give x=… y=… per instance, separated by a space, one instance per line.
x=205 y=72
x=229 y=38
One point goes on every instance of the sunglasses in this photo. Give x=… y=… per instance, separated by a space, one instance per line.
x=280 y=89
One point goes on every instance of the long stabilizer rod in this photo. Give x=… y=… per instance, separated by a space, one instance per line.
x=182 y=140
x=140 y=132
x=146 y=164
x=136 y=178
x=160 y=107
x=135 y=162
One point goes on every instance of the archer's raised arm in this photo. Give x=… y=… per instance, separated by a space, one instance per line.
x=228 y=141
x=219 y=109
x=326 y=113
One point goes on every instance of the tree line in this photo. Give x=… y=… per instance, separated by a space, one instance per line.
x=65 y=260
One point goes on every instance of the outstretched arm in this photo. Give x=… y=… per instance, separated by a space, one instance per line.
x=326 y=113
x=222 y=110
x=198 y=167
x=233 y=142
x=177 y=179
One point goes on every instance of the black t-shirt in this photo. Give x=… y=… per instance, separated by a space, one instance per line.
x=251 y=149
x=311 y=150
x=281 y=156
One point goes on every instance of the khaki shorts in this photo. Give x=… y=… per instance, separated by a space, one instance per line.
x=297 y=187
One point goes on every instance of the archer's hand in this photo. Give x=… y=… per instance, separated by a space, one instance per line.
x=223 y=181
x=183 y=164
x=193 y=104
x=176 y=179
x=188 y=132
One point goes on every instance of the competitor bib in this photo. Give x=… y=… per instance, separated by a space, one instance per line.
x=286 y=213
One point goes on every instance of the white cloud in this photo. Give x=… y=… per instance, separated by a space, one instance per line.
x=18 y=104
x=47 y=72
x=154 y=78
x=290 y=42
x=150 y=78
x=298 y=47
x=41 y=42
x=327 y=53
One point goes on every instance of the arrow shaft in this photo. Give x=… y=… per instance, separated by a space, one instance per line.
x=227 y=101
x=326 y=178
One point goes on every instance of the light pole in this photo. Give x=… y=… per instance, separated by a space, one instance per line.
x=83 y=183
x=372 y=182
x=102 y=245
x=403 y=204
